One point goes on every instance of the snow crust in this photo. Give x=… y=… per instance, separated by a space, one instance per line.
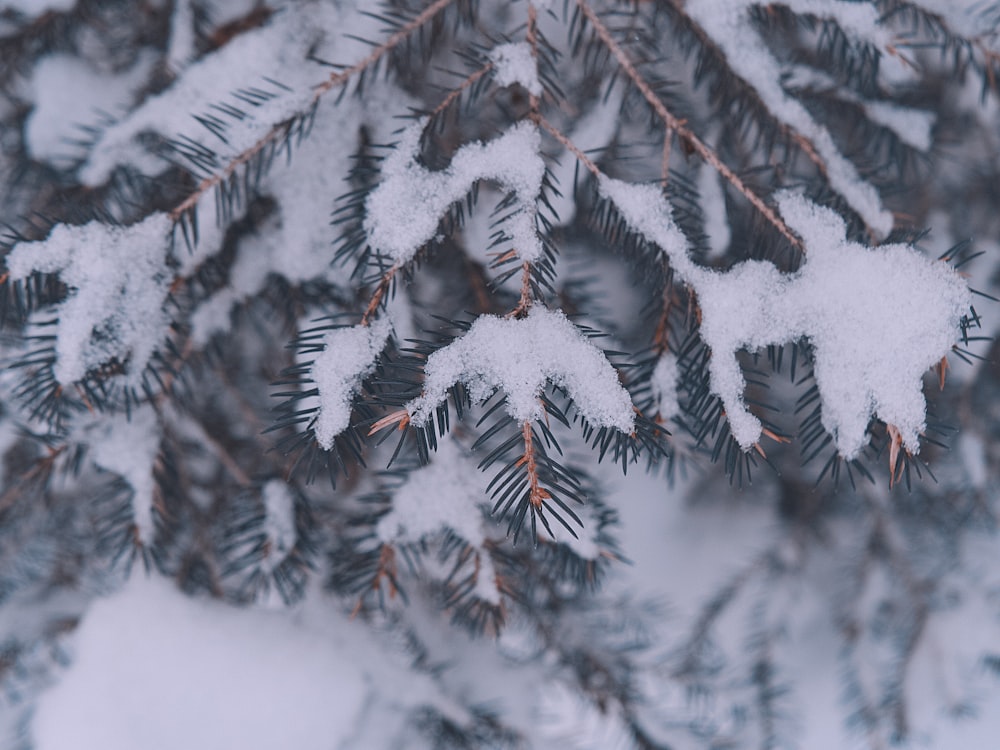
x=520 y=356
x=129 y=447
x=118 y=280
x=514 y=63
x=403 y=212
x=349 y=355
x=877 y=318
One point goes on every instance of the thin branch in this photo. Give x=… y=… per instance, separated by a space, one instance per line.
x=565 y=141
x=456 y=92
x=536 y=493
x=379 y=294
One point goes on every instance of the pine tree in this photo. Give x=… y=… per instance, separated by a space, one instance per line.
x=368 y=306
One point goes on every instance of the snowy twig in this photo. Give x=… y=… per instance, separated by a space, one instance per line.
x=678 y=126
x=336 y=79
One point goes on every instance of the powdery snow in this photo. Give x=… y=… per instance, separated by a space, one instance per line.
x=403 y=212
x=349 y=356
x=877 y=318
x=514 y=63
x=520 y=356
x=118 y=282
x=129 y=447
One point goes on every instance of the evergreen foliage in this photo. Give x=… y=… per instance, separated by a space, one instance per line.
x=361 y=300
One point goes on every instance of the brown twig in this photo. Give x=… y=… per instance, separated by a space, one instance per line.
x=379 y=294
x=565 y=141
x=536 y=493
x=456 y=92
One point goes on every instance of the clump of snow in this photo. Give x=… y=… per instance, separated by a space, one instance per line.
x=520 y=356
x=447 y=493
x=403 y=212
x=647 y=212
x=279 y=521
x=62 y=84
x=728 y=24
x=129 y=446
x=118 y=281
x=663 y=384
x=349 y=356
x=877 y=318
x=514 y=63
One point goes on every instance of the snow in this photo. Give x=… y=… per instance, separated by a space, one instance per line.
x=972 y=19
x=275 y=52
x=279 y=522
x=520 y=356
x=514 y=64
x=449 y=492
x=69 y=95
x=713 y=208
x=592 y=132
x=181 y=46
x=664 y=386
x=129 y=446
x=728 y=24
x=914 y=127
x=403 y=212
x=877 y=318
x=349 y=356
x=156 y=669
x=118 y=282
